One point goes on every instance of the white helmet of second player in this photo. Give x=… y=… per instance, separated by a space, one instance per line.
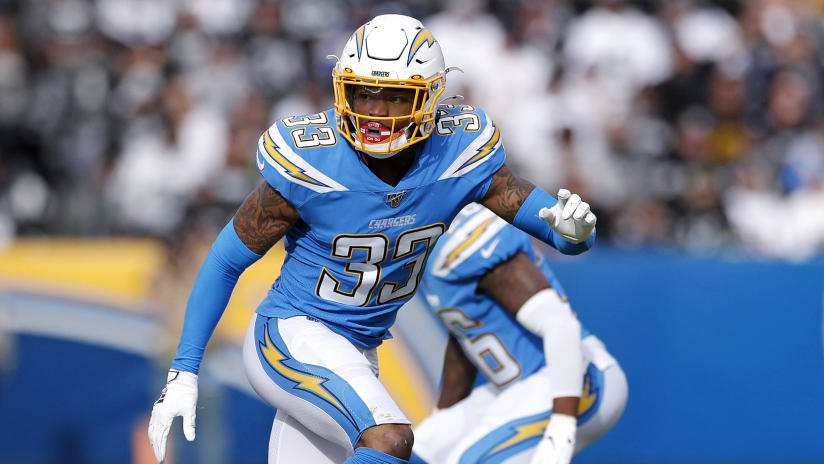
x=389 y=52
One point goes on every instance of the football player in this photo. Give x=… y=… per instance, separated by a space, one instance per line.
x=361 y=193
x=548 y=387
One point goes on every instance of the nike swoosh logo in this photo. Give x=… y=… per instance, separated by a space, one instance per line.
x=259 y=161
x=487 y=252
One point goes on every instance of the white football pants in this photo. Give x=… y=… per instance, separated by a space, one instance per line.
x=494 y=425
x=325 y=389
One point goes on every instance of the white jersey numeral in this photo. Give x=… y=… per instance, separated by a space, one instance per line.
x=317 y=136
x=369 y=272
x=318 y=118
x=486 y=351
x=405 y=247
x=323 y=136
x=470 y=121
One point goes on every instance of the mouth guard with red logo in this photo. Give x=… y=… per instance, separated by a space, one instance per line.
x=374 y=132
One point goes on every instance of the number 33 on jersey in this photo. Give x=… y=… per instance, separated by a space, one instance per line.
x=372 y=238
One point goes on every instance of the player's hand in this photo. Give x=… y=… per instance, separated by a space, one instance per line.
x=570 y=217
x=558 y=443
x=178 y=398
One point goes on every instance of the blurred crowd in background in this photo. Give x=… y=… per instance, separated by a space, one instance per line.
x=686 y=124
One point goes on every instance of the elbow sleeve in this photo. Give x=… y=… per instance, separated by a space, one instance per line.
x=548 y=315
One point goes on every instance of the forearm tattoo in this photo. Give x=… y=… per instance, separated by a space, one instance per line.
x=263 y=218
x=506 y=194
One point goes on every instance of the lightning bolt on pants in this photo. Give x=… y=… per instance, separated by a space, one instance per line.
x=325 y=389
x=504 y=425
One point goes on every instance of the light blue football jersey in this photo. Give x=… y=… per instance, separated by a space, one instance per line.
x=477 y=241
x=358 y=252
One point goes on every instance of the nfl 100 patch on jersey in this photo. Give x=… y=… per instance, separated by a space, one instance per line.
x=358 y=252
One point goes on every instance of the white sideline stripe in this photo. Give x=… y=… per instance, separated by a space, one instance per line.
x=28 y=315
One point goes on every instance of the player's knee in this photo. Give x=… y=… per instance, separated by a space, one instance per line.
x=393 y=439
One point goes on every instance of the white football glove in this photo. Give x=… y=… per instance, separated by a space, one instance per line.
x=570 y=217
x=558 y=443
x=178 y=398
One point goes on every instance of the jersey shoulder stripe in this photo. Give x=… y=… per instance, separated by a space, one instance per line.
x=481 y=149
x=469 y=237
x=276 y=152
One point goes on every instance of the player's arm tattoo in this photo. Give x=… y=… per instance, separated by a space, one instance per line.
x=513 y=282
x=263 y=218
x=506 y=193
x=458 y=375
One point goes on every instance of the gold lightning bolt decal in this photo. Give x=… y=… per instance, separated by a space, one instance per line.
x=484 y=150
x=423 y=37
x=587 y=397
x=523 y=432
x=472 y=237
x=304 y=381
x=293 y=170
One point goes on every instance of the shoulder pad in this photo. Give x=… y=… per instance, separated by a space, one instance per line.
x=284 y=154
x=476 y=245
x=473 y=137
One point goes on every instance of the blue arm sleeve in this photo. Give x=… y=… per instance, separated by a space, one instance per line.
x=527 y=220
x=214 y=284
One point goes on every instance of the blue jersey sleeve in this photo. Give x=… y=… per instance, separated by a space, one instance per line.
x=289 y=168
x=271 y=163
x=475 y=144
x=218 y=275
x=477 y=245
x=497 y=249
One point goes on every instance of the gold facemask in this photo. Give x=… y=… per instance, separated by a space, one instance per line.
x=422 y=115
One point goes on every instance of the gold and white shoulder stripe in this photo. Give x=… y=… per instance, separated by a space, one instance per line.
x=274 y=150
x=466 y=240
x=478 y=151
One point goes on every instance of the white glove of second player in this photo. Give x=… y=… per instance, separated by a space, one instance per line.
x=558 y=443
x=570 y=217
x=178 y=398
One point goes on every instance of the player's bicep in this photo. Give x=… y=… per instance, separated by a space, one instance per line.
x=263 y=218
x=506 y=194
x=513 y=281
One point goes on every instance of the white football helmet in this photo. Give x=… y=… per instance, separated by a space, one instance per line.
x=390 y=51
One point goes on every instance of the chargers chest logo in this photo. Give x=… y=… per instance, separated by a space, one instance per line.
x=394 y=199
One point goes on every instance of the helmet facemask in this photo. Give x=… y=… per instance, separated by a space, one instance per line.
x=384 y=135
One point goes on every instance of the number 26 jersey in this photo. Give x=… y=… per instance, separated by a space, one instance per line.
x=358 y=252
x=496 y=343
